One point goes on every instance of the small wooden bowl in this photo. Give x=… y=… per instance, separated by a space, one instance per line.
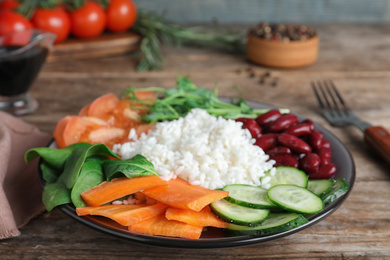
x=278 y=54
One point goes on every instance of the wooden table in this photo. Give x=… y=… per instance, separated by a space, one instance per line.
x=356 y=57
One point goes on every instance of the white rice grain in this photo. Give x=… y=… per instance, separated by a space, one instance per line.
x=202 y=149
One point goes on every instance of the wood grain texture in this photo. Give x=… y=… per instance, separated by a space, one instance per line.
x=102 y=46
x=359 y=66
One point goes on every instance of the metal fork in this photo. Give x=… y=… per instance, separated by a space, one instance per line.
x=336 y=111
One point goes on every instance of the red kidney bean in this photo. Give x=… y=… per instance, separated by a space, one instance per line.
x=241 y=119
x=325 y=143
x=294 y=143
x=278 y=150
x=325 y=155
x=267 y=141
x=298 y=130
x=253 y=127
x=315 y=139
x=298 y=156
x=323 y=172
x=283 y=122
x=310 y=123
x=310 y=162
x=268 y=117
x=285 y=160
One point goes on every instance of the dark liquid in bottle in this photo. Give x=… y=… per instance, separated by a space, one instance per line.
x=17 y=72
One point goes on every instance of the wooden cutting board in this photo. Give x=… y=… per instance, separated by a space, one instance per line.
x=102 y=46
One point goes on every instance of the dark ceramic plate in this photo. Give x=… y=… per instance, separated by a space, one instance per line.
x=217 y=238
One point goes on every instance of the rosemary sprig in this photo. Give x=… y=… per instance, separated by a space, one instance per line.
x=157 y=31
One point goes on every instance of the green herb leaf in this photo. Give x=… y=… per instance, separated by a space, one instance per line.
x=178 y=102
x=55 y=194
x=157 y=31
x=49 y=174
x=54 y=157
x=135 y=167
x=91 y=174
x=77 y=158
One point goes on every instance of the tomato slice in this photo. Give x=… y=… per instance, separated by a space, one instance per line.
x=102 y=107
x=108 y=136
x=142 y=108
x=84 y=110
x=78 y=128
x=106 y=120
x=59 y=131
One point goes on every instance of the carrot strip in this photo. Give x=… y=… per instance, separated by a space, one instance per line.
x=161 y=226
x=120 y=187
x=180 y=194
x=203 y=218
x=106 y=210
x=125 y=215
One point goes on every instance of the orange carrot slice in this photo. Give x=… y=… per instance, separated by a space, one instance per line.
x=180 y=194
x=203 y=218
x=118 y=188
x=125 y=215
x=107 y=210
x=160 y=226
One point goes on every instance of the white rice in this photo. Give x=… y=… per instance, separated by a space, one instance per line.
x=202 y=149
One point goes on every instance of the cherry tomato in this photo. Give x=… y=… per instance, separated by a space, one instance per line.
x=55 y=20
x=121 y=15
x=9 y=4
x=11 y=21
x=88 y=21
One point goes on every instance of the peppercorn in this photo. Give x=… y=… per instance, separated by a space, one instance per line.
x=282 y=32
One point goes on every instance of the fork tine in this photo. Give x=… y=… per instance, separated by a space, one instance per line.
x=328 y=89
x=328 y=96
x=344 y=104
x=316 y=93
x=321 y=95
x=333 y=107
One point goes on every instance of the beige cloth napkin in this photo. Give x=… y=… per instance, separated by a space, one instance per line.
x=20 y=191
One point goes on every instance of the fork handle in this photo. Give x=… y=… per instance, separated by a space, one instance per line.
x=379 y=139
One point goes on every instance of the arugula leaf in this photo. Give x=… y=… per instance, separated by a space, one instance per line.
x=178 y=102
x=134 y=167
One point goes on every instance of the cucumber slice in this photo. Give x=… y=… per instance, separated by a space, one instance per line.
x=239 y=215
x=275 y=223
x=248 y=196
x=295 y=199
x=320 y=187
x=339 y=188
x=284 y=175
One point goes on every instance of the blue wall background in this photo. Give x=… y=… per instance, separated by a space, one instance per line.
x=278 y=11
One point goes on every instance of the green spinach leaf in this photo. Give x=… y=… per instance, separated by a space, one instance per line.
x=55 y=194
x=134 y=167
x=77 y=158
x=54 y=157
x=91 y=174
x=49 y=173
